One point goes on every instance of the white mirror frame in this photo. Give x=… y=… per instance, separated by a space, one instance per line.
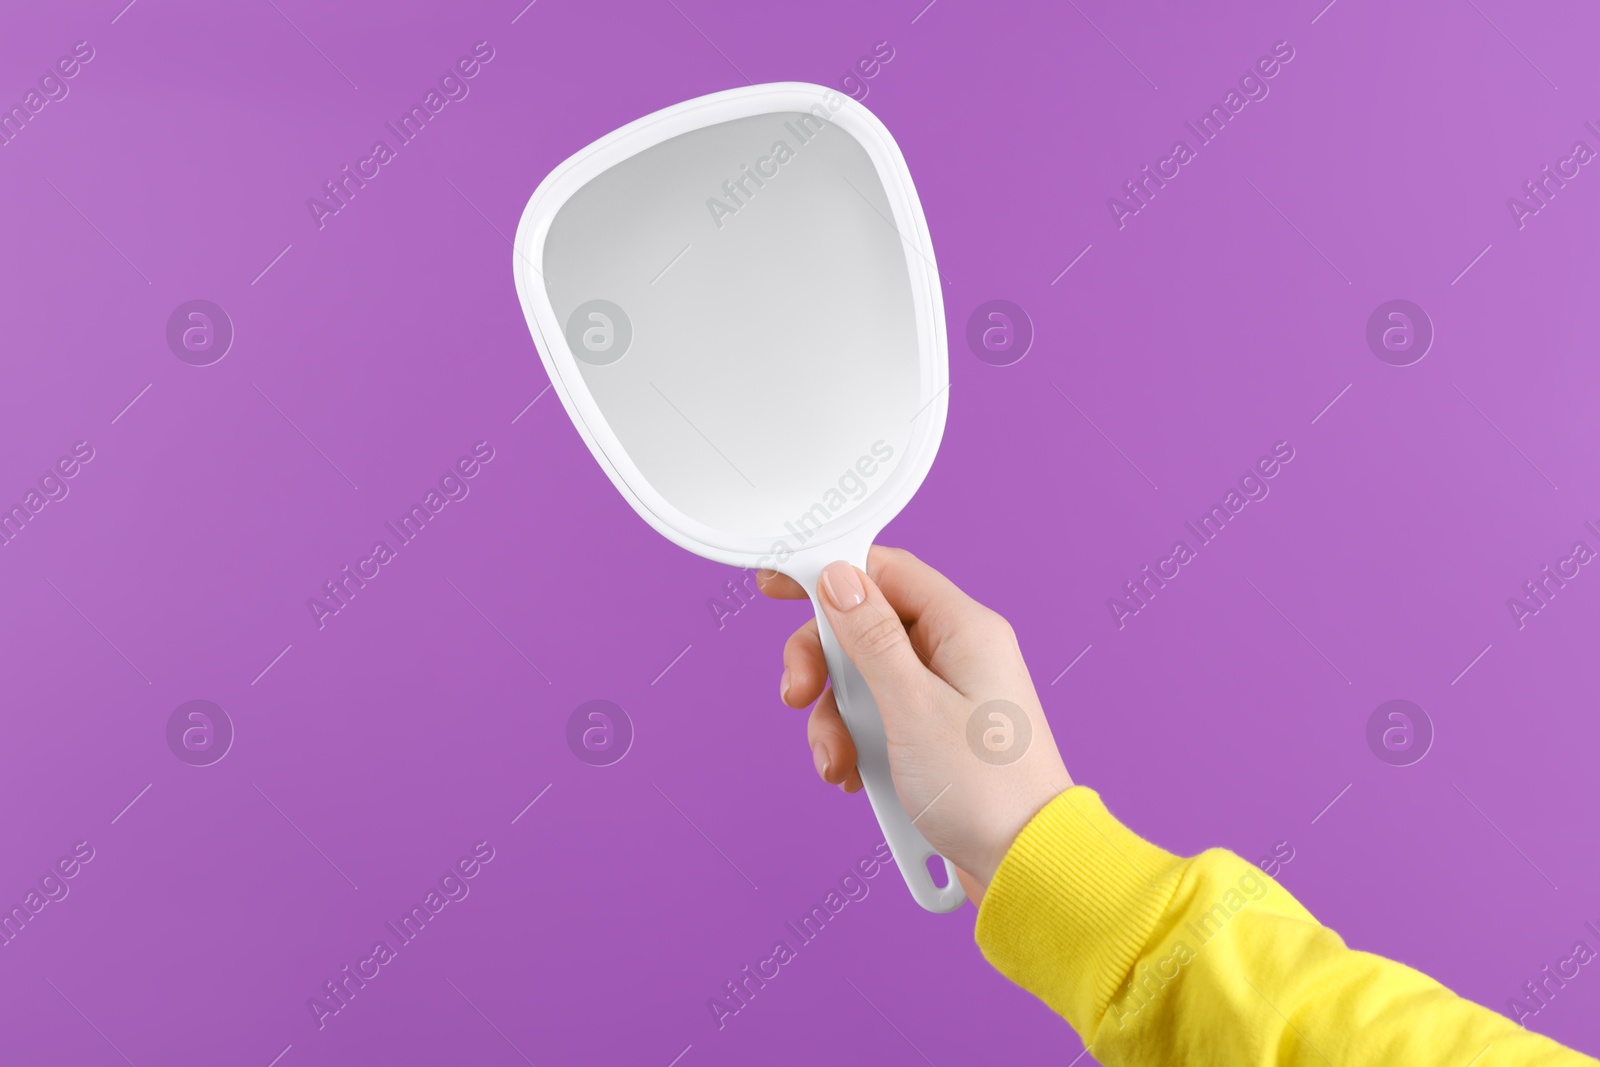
x=565 y=376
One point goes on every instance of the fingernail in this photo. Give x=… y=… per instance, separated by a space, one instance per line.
x=783 y=686
x=842 y=586
x=766 y=575
x=819 y=756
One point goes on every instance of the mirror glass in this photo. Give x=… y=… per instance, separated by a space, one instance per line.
x=738 y=301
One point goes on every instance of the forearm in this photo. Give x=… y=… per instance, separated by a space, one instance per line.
x=1155 y=959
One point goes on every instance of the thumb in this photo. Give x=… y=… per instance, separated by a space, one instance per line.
x=870 y=633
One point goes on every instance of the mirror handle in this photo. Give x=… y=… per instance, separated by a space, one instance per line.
x=859 y=710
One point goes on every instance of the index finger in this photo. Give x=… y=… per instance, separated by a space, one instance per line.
x=780 y=586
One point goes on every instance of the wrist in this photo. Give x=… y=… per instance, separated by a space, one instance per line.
x=1011 y=819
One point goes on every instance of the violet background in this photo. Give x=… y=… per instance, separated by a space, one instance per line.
x=408 y=728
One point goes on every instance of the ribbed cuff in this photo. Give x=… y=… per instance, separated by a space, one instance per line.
x=1073 y=904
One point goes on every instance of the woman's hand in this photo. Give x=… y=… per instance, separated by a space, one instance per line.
x=969 y=747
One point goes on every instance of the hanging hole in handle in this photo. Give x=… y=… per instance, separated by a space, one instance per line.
x=936 y=870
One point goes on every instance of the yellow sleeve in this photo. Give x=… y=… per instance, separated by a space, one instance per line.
x=1155 y=959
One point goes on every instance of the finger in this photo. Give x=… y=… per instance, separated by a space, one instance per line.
x=872 y=636
x=780 y=586
x=805 y=671
x=908 y=583
x=832 y=751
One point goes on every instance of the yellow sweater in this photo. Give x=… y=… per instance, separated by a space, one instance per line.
x=1155 y=959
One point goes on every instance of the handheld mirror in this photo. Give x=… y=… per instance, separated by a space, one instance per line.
x=737 y=303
